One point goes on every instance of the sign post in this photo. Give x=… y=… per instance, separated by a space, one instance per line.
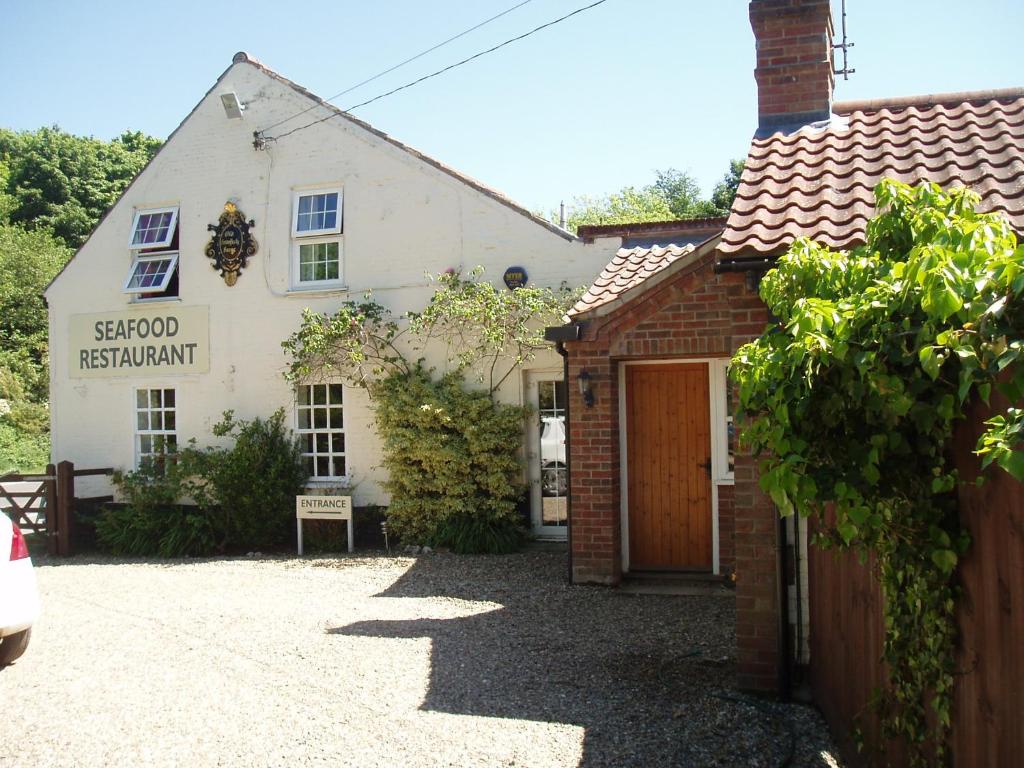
x=323 y=508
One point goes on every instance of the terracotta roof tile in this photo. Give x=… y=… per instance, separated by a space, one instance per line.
x=628 y=269
x=818 y=182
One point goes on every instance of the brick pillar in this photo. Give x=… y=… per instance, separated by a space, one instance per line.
x=594 y=451
x=756 y=544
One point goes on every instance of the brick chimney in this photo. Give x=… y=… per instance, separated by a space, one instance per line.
x=794 y=71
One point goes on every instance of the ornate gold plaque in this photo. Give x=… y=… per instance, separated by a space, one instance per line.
x=231 y=244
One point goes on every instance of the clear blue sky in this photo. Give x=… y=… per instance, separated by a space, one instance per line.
x=585 y=107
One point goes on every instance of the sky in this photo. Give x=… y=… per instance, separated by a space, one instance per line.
x=592 y=104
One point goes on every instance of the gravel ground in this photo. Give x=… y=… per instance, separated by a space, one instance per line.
x=390 y=661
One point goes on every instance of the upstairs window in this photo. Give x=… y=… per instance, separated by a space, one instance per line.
x=153 y=228
x=151 y=273
x=317 y=213
x=154 y=246
x=316 y=239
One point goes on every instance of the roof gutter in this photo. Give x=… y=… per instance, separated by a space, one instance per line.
x=744 y=265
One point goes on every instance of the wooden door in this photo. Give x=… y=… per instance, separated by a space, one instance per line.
x=668 y=446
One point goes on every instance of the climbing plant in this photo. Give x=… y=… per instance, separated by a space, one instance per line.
x=451 y=449
x=850 y=399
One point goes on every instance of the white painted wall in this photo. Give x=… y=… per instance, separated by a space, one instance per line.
x=403 y=218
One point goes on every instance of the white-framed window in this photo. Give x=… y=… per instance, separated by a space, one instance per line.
x=318 y=261
x=151 y=273
x=317 y=247
x=316 y=212
x=320 y=422
x=156 y=428
x=153 y=227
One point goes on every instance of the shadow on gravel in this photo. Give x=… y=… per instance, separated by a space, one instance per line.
x=648 y=678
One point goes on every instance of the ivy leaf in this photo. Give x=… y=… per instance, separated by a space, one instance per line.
x=848 y=532
x=929 y=361
x=945 y=559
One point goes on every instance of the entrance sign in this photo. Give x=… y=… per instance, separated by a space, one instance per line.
x=323 y=508
x=139 y=342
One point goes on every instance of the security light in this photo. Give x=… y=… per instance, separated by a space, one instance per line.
x=232 y=106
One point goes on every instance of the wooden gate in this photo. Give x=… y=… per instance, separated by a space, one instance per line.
x=44 y=504
x=668 y=445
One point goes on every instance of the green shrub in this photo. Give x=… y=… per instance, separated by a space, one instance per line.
x=253 y=484
x=452 y=457
x=467 y=534
x=151 y=522
x=244 y=496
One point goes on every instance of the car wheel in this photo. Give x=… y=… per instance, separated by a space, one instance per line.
x=552 y=482
x=12 y=646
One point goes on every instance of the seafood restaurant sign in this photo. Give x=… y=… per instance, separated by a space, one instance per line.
x=140 y=342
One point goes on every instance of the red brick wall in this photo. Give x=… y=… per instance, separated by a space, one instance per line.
x=694 y=313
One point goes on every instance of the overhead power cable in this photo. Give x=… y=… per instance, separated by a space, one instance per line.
x=435 y=74
x=411 y=59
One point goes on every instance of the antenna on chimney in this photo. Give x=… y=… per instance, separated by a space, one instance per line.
x=844 y=46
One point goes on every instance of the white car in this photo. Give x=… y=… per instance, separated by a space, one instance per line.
x=552 y=456
x=19 y=597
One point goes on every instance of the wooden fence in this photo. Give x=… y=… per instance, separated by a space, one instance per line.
x=45 y=504
x=846 y=626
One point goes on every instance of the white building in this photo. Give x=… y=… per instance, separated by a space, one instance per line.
x=150 y=341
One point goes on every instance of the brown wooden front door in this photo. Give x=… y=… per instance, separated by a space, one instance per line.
x=668 y=446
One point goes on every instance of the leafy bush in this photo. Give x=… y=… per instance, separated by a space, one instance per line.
x=151 y=522
x=244 y=495
x=453 y=461
x=253 y=484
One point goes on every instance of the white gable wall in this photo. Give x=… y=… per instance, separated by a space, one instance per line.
x=402 y=218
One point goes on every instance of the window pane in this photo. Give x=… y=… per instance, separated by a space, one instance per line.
x=303 y=395
x=155 y=398
x=319 y=418
x=323 y=442
x=308 y=443
x=304 y=422
x=156 y=420
x=168 y=398
x=141 y=398
x=320 y=394
x=337 y=421
x=335 y=393
x=143 y=420
x=323 y=466
x=339 y=466
x=546 y=395
x=337 y=443
x=145 y=444
x=169 y=420
x=310 y=467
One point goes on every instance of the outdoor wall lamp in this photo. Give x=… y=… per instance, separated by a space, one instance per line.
x=585 y=392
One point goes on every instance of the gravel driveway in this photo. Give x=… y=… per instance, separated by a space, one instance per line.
x=389 y=661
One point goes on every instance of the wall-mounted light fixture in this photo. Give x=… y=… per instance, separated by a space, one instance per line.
x=233 y=108
x=585 y=391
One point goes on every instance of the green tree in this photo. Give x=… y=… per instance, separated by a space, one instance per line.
x=673 y=195
x=28 y=262
x=65 y=183
x=725 y=191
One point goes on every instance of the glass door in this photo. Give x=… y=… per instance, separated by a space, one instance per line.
x=548 y=470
